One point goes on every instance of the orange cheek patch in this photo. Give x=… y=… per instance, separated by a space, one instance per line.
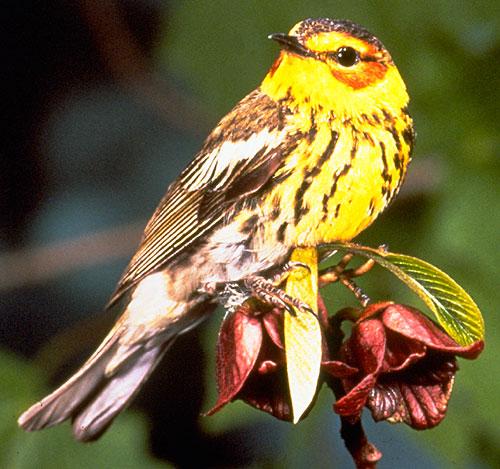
x=370 y=73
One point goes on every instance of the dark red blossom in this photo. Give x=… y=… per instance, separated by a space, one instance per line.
x=396 y=362
x=250 y=361
x=399 y=364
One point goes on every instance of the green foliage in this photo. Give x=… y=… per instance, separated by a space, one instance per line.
x=124 y=447
x=453 y=307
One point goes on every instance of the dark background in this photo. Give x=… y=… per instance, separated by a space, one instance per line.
x=105 y=102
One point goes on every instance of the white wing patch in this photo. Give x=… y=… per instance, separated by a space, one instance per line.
x=227 y=156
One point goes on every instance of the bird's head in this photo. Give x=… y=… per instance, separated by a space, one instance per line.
x=334 y=65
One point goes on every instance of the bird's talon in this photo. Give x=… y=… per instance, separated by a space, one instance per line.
x=267 y=292
x=289 y=309
x=364 y=300
x=298 y=264
x=285 y=270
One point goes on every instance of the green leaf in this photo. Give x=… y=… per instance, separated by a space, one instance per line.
x=453 y=307
x=303 y=333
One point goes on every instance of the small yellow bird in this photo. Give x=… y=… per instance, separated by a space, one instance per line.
x=312 y=156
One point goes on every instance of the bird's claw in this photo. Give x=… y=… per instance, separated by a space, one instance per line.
x=268 y=292
x=284 y=271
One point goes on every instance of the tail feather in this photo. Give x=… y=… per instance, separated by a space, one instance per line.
x=92 y=398
x=112 y=376
x=62 y=403
x=95 y=417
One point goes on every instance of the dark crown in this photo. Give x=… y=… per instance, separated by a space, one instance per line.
x=312 y=26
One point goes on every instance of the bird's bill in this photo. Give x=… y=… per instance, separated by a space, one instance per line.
x=291 y=44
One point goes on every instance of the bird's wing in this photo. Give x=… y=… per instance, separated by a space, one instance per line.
x=242 y=153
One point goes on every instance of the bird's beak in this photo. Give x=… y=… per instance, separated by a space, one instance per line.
x=291 y=44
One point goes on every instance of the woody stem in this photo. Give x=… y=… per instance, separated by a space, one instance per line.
x=364 y=454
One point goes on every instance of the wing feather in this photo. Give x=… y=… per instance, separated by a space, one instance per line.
x=238 y=158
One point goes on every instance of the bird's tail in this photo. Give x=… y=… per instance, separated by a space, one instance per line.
x=91 y=397
x=113 y=375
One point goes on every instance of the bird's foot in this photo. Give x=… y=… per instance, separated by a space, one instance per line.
x=233 y=294
x=281 y=273
x=268 y=292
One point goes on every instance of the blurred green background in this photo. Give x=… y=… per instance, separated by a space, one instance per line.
x=108 y=102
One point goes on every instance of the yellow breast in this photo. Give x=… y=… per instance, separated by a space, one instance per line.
x=339 y=179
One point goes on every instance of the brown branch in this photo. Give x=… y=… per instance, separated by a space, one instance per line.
x=364 y=454
x=36 y=265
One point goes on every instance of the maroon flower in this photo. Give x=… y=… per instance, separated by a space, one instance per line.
x=399 y=364
x=396 y=362
x=250 y=359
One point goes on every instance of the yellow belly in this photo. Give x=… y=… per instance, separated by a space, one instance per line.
x=334 y=199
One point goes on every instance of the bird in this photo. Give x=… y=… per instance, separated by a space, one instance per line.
x=312 y=156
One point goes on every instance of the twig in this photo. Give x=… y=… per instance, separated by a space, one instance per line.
x=40 y=264
x=364 y=454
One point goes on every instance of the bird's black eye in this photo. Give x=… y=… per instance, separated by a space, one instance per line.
x=347 y=56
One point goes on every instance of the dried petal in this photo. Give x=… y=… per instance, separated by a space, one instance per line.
x=367 y=344
x=238 y=347
x=338 y=369
x=412 y=324
x=405 y=367
x=353 y=402
x=418 y=396
x=269 y=393
x=401 y=352
x=273 y=323
x=374 y=309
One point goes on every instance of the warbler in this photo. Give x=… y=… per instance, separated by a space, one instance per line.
x=312 y=156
